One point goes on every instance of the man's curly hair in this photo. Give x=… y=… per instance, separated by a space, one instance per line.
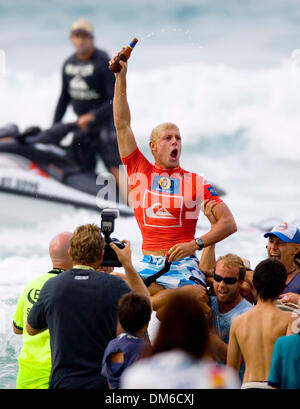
x=86 y=244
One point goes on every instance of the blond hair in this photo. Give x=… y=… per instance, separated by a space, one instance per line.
x=156 y=132
x=86 y=244
x=232 y=260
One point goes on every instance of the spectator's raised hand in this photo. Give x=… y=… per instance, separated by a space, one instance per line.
x=208 y=206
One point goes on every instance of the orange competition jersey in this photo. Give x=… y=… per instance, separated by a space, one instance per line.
x=166 y=202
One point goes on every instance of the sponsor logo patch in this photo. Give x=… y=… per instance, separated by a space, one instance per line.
x=162 y=210
x=281 y=227
x=212 y=191
x=165 y=184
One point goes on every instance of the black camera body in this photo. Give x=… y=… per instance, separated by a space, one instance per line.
x=110 y=258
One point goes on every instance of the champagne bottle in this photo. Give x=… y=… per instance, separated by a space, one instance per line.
x=124 y=55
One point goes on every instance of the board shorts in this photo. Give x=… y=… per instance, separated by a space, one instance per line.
x=182 y=272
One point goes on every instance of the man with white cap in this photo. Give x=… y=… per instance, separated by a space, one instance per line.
x=284 y=245
x=88 y=85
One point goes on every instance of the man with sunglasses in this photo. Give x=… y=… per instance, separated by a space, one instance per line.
x=227 y=301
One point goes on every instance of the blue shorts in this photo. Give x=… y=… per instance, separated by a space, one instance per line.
x=182 y=272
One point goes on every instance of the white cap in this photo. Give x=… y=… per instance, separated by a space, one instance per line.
x=285 y=232
x=82 y=26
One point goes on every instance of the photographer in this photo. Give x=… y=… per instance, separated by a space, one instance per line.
x=79 y=307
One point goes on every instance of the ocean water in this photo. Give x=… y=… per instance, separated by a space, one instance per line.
x=228 y=73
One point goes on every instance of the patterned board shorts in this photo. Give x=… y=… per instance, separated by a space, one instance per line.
x=182 y=272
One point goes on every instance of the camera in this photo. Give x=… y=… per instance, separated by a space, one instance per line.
x=110 y=258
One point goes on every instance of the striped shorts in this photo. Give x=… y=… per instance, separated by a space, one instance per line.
x=182 y=272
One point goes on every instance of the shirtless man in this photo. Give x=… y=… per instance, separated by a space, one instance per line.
x=284 y=244
x=166 y=199
x=253 y=334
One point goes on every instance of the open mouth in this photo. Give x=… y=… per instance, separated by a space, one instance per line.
x=174 y=153
x=275 y=255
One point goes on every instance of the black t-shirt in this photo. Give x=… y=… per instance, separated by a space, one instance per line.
x=80 y=309
x=88 y=85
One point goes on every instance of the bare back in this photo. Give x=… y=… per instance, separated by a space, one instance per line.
x=254 y=334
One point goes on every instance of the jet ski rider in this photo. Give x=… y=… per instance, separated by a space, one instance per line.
x=88 y=85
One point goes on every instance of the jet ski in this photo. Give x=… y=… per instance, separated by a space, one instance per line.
x=36 y=171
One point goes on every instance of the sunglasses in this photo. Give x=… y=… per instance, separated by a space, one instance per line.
x=227 y=280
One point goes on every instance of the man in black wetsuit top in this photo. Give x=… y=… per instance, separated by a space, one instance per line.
x=88 y=85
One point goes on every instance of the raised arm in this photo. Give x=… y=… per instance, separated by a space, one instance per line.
x=208 y=257
x=126 y=139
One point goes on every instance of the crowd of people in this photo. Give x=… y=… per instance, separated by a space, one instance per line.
x=221 y=324
x=85 y=326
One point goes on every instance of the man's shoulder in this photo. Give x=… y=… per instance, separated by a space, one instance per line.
x=238 y=319
x=134 y=154
x=214 y=302
x=55 y=279
x=242 y=310
x=195 y=175
x=38 y=282
x=282 y=340
x=136 y=161
x=121 y=339
x=100 y=54
x=245 y=305
x=71 y=59
x=294 y=285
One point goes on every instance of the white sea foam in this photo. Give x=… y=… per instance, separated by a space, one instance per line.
x=208 y=102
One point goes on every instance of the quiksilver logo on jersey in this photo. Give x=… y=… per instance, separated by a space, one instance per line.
x=159 y=212
x=79 y=87
x=162 y=210
x=78 y=83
